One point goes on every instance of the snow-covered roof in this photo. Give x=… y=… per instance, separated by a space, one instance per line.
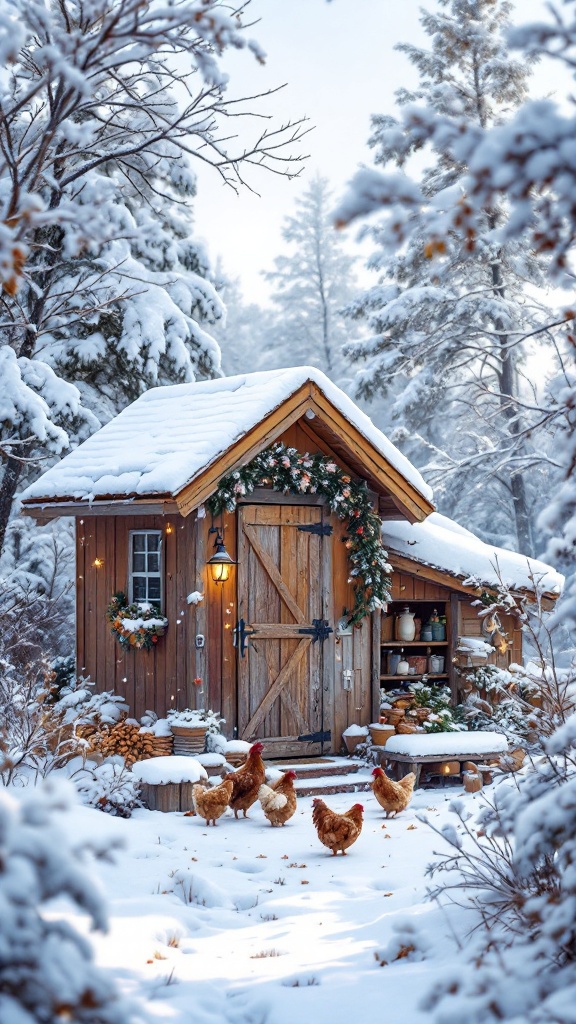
x=442 y=544
x=169 y=435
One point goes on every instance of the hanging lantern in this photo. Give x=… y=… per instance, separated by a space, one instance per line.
x=220 y=561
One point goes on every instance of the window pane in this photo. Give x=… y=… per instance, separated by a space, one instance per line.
x=139 y=588
x=139 y=562
x=153 y=541
x=154 y=588
x=153 y=563
x=139 y=541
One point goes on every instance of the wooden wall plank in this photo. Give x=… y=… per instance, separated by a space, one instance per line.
x=90 y=606
x=228 y=705
x=80 y=598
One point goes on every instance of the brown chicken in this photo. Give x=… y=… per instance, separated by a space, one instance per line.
x=210 y=804
x=246 y=781
x=337 y=831
x=392 y=796
x=279 y=800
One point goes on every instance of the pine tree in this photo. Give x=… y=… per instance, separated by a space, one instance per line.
x=312 y=282
x=244 y=331
x=447 y=314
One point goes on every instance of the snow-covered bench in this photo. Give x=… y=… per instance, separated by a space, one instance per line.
x=409 y=753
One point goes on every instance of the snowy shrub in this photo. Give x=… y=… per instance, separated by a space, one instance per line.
x=33 y=738
x=499 y=702
x=443 y=716
x=47 y=972
x=407 y=943
x=40 y=733
x=514 y=868
x=109 y=787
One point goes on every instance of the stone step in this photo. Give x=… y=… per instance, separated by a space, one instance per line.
x=320 y=768
x=331 y=784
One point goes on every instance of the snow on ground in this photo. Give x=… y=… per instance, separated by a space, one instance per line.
x=247 y=924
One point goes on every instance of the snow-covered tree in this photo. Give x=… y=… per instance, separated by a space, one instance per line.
x=105 y=106
x=528 y=163
x=311 y=282
x=447 y=315
x=47 y=971
x=244 y=331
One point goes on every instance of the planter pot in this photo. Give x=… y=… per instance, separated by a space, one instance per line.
x=395 y=715
x=189 y=739
x=351 y=742
x=380 y=733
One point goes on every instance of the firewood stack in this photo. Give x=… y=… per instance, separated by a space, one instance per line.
x=127 y=738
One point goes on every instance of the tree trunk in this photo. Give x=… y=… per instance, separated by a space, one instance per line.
x=8 y=489
x=508 y=395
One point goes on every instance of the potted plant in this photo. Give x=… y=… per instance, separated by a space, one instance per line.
x=190 y=728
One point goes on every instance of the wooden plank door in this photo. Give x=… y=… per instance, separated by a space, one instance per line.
x=282 y=572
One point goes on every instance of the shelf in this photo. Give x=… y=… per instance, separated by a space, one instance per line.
x=429 y=675
x=413 y=643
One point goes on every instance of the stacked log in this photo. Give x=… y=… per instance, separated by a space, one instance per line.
x=127 y=739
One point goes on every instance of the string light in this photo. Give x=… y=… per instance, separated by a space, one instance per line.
x=97 y=563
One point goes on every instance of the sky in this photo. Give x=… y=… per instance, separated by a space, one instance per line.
x=338 y=64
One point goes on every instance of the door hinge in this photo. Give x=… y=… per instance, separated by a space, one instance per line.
x=320 y=529
x=319 y=630
x=316 y=737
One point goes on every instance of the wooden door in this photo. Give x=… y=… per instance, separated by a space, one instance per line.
x=284 y=585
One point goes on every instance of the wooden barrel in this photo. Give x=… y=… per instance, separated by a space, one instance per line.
x=167 y=796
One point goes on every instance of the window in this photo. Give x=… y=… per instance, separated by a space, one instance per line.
x=145 y=578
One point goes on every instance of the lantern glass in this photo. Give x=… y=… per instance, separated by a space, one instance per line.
x=220 y=561
x=220 y=571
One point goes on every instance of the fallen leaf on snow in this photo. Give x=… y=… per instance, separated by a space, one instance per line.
x=411 y=826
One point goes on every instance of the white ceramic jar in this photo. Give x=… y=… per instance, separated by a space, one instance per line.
x=406 y=627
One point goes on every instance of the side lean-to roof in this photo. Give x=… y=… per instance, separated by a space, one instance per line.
x=177 y=441
x=443 y=546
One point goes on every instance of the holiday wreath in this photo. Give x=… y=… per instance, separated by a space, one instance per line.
x=138 y=625
x=287 y=470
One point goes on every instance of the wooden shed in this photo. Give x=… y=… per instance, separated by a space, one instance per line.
x=270 y=646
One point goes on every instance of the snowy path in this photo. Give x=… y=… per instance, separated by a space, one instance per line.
x=245 y=924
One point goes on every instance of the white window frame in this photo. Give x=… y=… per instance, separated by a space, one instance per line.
x=147 y=575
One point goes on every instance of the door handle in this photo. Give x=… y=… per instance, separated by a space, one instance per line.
x=240 y=637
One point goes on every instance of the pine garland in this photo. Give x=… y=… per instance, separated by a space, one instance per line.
x=291 y=472
x=136 y=626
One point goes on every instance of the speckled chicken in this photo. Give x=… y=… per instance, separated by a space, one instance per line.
x=279 y=800
x=337 y=831
x=210 y=804
x=246 y=781
x=392 y=796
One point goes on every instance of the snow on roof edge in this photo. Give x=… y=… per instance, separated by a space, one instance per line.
x=168 y=461
x=442 y=544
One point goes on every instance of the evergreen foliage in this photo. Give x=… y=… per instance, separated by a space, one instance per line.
x=106 y=104
x=286 y=470
x=47 y=970
x=448 y=315
x=311 y=282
